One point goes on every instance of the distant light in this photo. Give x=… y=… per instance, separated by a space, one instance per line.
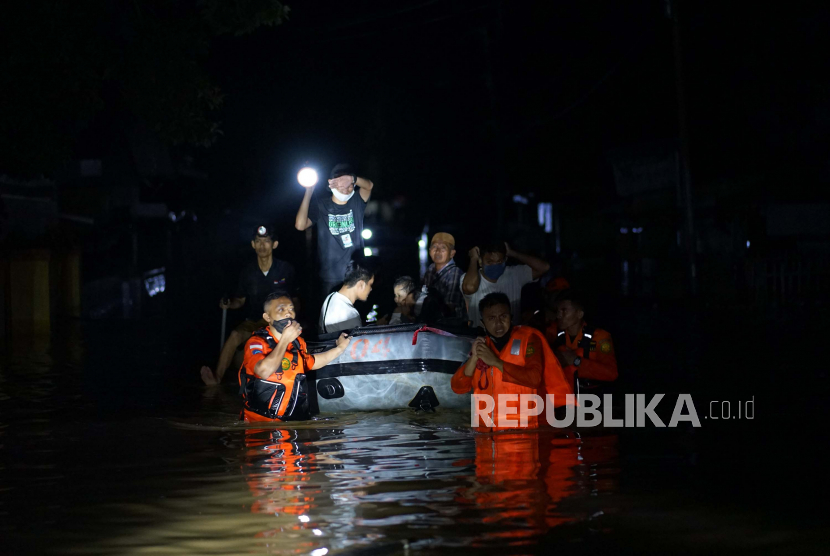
x=155 y=284
x=637 y=230
x=366 y=233
x=423 y=255
x=307 y=177
x=623 y=230
x=317 y=532
x=367 y=251
x=304 y=518
x=548 y=217
x=520 y=199
x=747 y=244
x=320 y=552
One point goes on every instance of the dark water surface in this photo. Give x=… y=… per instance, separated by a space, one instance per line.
x=109 y=446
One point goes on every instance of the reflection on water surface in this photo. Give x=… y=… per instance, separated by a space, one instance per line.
x=104 y=459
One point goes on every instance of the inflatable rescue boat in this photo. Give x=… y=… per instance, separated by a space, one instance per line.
x=392 y=367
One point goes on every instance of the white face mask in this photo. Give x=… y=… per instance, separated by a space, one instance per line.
x=340 y=197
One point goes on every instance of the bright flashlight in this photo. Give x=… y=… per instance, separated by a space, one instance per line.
x=366 y=233
x=307 y=177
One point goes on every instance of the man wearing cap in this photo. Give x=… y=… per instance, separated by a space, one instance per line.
x=339 y=220
x=256 y=281
x=444 y=276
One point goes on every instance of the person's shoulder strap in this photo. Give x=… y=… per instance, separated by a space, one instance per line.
x=326 y=311
x=263 y=333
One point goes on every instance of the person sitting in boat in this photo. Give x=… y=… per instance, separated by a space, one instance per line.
x=256 y=281
x=338 y=311
x=444 y=275
x=580 y=348
x=509 y=360
x=272 y=379
x=405 y=299
x=488 y=273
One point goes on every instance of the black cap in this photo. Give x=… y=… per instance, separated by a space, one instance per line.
x=265 y=231
x=341 y=169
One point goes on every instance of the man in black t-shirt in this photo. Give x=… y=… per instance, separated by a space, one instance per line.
x=257 y=279
x=339 y=220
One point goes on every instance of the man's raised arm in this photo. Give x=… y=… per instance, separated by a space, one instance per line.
x=472 y=279
x=302 y=222
x=537 y=266
x=365 y=186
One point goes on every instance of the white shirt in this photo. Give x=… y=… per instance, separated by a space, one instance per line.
x=338 y=314
x=509 y=283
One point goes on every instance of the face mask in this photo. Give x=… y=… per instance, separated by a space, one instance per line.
x=501 y=342
x=340 y=197
x=494 y=271
x=279 y=326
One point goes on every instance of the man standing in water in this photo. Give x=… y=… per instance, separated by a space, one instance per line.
x=579 y=347
x=509 y=361
x=339 y=220
x=272 y=378
x=256 y=281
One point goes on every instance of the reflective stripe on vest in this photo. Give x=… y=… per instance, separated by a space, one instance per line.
x=585 y=343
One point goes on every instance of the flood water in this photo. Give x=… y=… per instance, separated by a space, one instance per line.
x=110 y=446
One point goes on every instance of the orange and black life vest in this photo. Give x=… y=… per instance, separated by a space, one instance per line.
x=283 y=395
x=587 y=343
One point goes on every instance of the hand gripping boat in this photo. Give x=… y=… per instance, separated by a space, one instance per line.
x=392 y=367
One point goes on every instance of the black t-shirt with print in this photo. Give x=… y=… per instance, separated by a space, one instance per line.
x=339 y=233
x=255 y=286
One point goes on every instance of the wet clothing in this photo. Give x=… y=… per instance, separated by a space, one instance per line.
x=255 y=285
x=529 y=368
x=509 y=283
x=339 y=234
x=447 y=282
x=281 y=395
x=593 y=346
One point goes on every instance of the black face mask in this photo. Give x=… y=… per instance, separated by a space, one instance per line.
x=501 y=342
x=279 y=326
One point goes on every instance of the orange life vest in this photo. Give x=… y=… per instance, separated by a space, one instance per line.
x=283 y=395
x=491 y=381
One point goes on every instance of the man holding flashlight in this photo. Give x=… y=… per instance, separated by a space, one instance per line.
x=339 y=220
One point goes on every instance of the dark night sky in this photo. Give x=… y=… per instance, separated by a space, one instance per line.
x=403 y=91
x=464 y=102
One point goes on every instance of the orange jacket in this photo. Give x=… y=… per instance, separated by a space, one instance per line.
x=597 y=363
x=529 y=368
x=295 y=362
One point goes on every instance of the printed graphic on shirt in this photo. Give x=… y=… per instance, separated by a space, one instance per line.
x=347 y=240
x=341 y=223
